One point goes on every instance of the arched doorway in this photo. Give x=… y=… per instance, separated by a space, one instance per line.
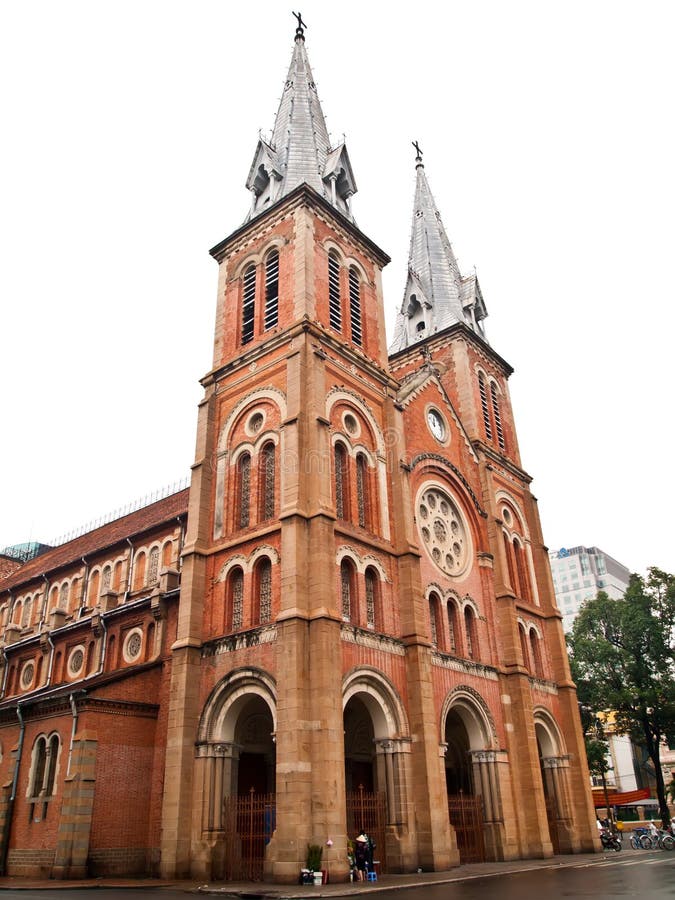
x=359 y=747
x=474 y=804
x=236 y=764
x=554 y=764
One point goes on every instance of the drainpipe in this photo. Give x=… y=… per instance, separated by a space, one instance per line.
x=51 y=659
x=3 y=650
x=4 y=846
x=130 y=570
x=85 y=585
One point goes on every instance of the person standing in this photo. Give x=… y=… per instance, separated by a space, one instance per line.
x=361 y=855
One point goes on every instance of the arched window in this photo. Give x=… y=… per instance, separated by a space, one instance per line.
x=452 y=626
x=355 y=306
x=470 y=633
x=234 y=599
x=263 y=589
x=271 y=289
x=167 y=552
x=106 y=579
x=362 y=493
x=153 y=566
x=373 y=599
x=484 y=406
x=341 y=482
x=508 y=551
x=139 y=570
x=248 y=305
x=521 y=570
x=16 y=612
x=266 y=482
x=347 y=590
x=523 y=647
x=95 y=584
x=334 y=302
x=535 y=647
x=43 y=771
x=243 y=490
x=27 y=610
x=498 y=420
x=39 y=765
x=434 y=619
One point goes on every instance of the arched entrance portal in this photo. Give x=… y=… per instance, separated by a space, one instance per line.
x=474 y=805
x=554 y=766
x=359 y=747
x=236 y=763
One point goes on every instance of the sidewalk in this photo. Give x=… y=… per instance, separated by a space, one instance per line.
x=282 y=892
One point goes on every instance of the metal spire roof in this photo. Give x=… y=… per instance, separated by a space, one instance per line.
x=436 y=294
x=299 y=149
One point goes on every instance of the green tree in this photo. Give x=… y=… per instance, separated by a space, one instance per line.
x=623 y=661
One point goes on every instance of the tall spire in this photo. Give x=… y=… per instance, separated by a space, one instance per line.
x=436 y=294
x=299 y=149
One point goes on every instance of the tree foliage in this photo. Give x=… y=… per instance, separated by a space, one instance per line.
x=623 y=661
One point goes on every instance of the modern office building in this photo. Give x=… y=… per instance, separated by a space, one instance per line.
x=579 y=573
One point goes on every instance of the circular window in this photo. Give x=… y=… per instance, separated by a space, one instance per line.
x=255 y=423
x=132 y=645
x=506 y=515
x=76 y=661
x=351 y=424
x=27 y=675
x=436 y=424
x=444 y=534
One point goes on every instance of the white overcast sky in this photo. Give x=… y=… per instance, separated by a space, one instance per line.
x=548 y=134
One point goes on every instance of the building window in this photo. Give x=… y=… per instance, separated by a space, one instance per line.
x=444 y=534
x=248 y=305
x=484 y=406
x=106 y=578
x=43 y=773
x=264 y=591
x=334 y=303
x=355 y=306
x=372 y=604
x=341 y=482
x=523 y=647
x=433 y=618
x=266 y=482
x=536 y=654
x=508 y=551
x=133 y=643
x=362 y=498
x=27 y=675
x=234 y=600
x=498 y=419
x=452 y=626
x=347 y=589
x=243 y=490
x=470 y=633
x=271 y=290
x=76 y=661
x=521 y=569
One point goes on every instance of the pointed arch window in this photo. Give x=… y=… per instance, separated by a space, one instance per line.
x=43 y=774
x=106 y=578
x=27 y=610
x=347 y=589
x=248 y=305
x=498 y=418
x=508 y=550
x=484 y=406
x=521 y=571
x=355 y=306
x=271 y=289
x=243 y=490
x=535 y=647
x=362 y=498
x=63 y=595
x=334 y=301
x=523 y=647
x=266 y=482
x=234 y=599
x=470 y=633
x=341 y=482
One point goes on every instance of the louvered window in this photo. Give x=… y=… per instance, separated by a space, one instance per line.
x=271 y=290
x=362 y=489
x=452 y=626
x=498 y=419
x=334 y=307
x=355 y=306
x=433 y=619
x=485 y=407
x=235 y=599
x=248 y=305
x=371 y=590
x=346 y=589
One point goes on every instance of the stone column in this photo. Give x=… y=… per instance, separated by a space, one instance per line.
x=556 y=791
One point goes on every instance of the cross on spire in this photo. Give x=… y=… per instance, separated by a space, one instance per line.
x=300 y=30
x=418 y=150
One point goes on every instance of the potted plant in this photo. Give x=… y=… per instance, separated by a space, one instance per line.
x=314 y=854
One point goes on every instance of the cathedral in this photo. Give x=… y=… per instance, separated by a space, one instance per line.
x=346 y=622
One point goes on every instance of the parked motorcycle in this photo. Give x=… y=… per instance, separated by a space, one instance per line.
x=609 y=841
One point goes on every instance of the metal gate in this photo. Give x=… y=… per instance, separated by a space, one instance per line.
x=248 y=824
x=466 y=817
x=366 y=811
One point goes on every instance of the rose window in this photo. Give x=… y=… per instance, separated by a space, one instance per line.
x=443 y=531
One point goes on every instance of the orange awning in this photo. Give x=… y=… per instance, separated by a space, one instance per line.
x=618 y=799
